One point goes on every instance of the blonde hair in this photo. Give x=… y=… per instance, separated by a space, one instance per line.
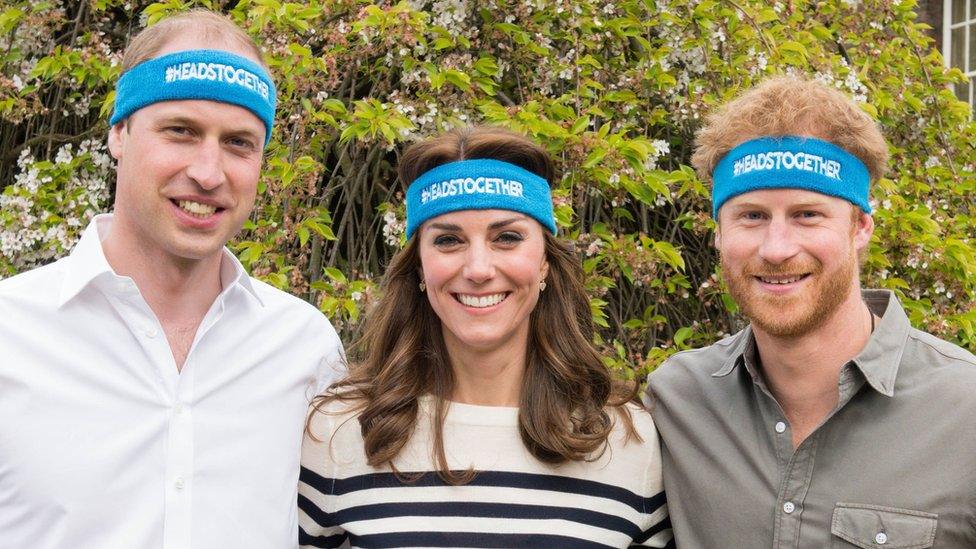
x=787 y=105
x=211 y=26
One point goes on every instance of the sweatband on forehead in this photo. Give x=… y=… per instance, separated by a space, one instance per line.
x=791 y=162
x=212 y=75
x=479 y=184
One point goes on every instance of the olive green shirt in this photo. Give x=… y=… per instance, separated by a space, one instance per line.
x=892 y=466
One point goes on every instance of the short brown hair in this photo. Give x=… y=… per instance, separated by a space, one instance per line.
x=788 y=105
x=210 y=25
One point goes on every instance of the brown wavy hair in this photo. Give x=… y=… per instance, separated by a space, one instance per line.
x=568 y=394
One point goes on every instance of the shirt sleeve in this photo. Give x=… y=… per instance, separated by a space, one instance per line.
x=317 y=525
x=657 y=530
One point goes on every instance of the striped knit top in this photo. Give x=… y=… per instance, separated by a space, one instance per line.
x=514 y=500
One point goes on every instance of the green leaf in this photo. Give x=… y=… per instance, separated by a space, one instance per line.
x=335 y=274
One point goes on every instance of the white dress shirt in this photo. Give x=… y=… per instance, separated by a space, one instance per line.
x=105 y=444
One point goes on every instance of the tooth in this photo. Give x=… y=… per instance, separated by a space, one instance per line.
x=481 y=302
x=200 y=210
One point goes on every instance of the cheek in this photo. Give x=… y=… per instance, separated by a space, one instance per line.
x=736 y=249
x=527 y=268
x=436 y=268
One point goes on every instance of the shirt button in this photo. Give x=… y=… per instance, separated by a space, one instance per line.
x=881 y=538
x=151 y=331
x=180 y=483
x=780 y=427
x=179 y=409
x=788 y=507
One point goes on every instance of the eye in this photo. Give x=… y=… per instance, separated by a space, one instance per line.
x=809 y=215
x=446 y=241
x=241 y=143
x=179 y=131
x=752 y=215
x=509 y=237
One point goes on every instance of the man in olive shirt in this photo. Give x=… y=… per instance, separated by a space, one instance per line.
x=829 y=421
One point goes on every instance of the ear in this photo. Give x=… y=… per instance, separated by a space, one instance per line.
x=718 y=235
x=863 y=229
x=545 y=270
x=116 y=138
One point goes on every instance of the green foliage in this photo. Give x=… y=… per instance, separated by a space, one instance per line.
x=615 y=90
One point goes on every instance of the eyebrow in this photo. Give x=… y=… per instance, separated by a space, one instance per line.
x=491 y=227
x=187 y=121
x=755 y=206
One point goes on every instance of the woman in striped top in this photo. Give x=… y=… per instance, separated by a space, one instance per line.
x=477 y=412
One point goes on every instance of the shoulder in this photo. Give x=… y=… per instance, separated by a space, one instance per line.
x=46 y=278
x=303 y=320
x=34 y=290
x=326 y=417
x=947 y=367
x=939 y=349
x=621 y=438
x=279 y=300
x=687 y=369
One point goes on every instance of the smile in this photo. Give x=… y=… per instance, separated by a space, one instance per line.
x=480 y=302
x=782 y=279
x=196 y=209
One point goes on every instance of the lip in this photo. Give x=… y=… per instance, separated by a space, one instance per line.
x=197 y=223
x=780 y=289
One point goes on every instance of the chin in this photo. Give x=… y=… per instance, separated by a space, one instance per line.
x=196 y=252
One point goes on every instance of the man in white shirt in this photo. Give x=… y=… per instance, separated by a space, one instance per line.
x=152 y=394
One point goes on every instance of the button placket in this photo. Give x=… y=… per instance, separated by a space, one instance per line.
x=180 y=468
x=796 y=482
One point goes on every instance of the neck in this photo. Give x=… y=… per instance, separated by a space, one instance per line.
x=178 y=290
x=803 y=372
x=490 y=376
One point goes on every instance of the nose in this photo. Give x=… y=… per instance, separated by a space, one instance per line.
x=780 y=242
x=206 y=167
x=479 y=266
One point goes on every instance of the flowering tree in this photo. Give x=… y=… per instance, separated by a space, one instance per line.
x=615 y=90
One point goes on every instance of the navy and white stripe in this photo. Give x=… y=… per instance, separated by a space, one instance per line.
x=513 y=500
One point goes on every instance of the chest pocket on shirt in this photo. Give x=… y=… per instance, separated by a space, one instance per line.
x=876 y=527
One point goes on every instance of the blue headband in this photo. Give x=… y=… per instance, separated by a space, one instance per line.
x=791 y=162
x=480 y=184
x=214 y=75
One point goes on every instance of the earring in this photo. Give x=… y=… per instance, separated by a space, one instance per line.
x=542 y=286
x=422 y=286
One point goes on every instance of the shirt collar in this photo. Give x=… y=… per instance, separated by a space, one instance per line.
x=87 y=262
x=878 y=361
x=880 y=358
x=740 y=343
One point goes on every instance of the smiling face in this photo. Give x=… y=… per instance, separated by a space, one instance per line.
x=790 y=257
x=187 y=172
x=482 y=269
